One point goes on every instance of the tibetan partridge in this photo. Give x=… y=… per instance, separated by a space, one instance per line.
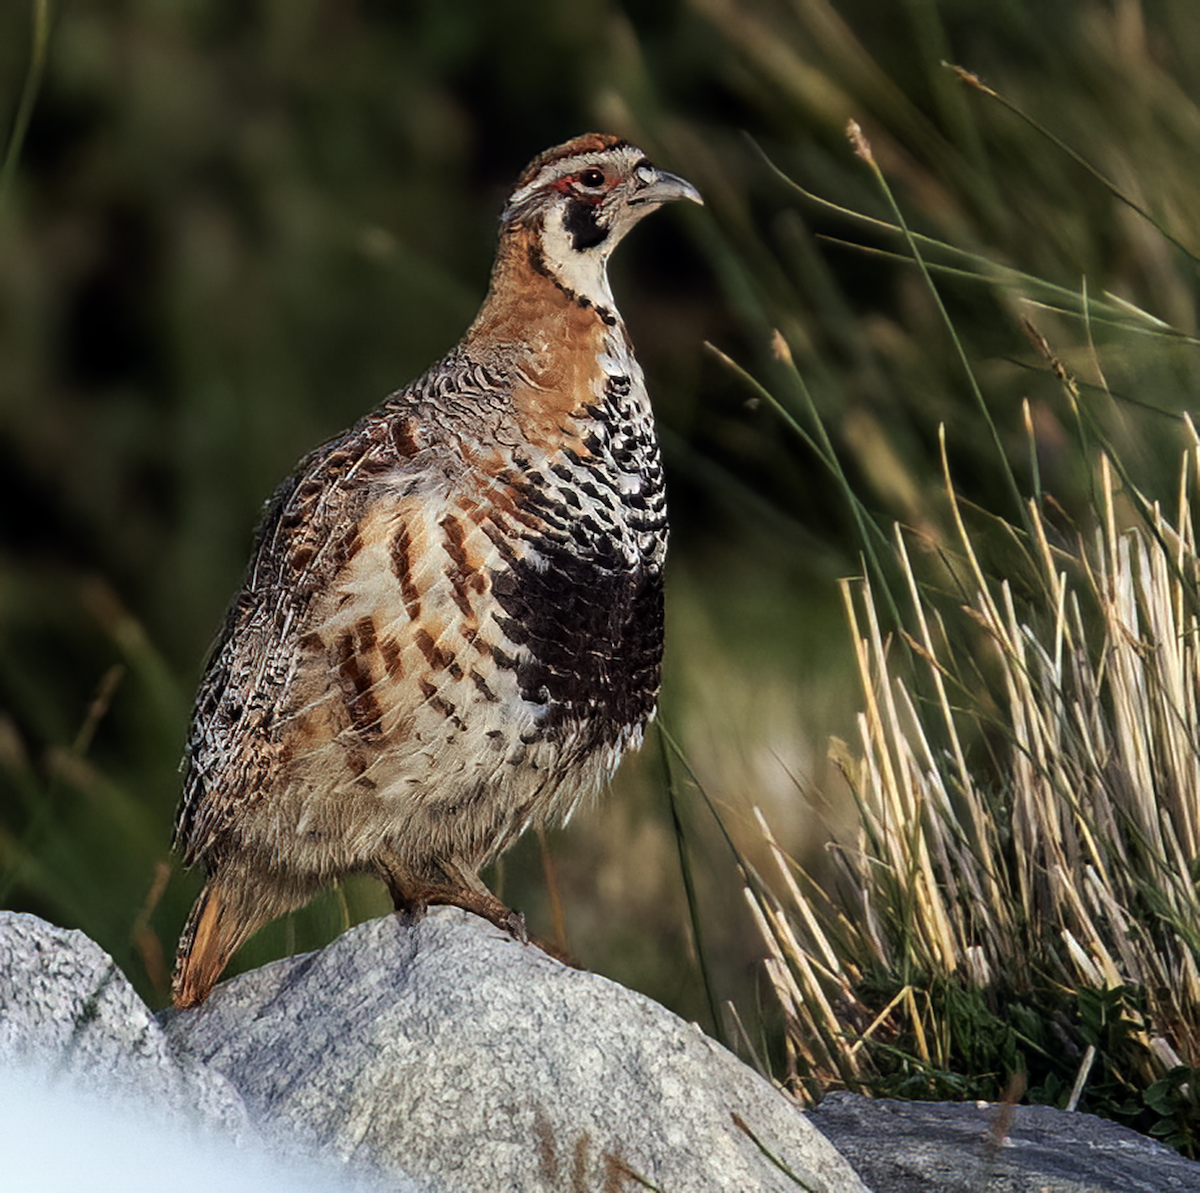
x=451 y=626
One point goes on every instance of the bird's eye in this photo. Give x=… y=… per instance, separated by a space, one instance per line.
x=592 y=177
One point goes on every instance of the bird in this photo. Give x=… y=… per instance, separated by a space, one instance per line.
x=450 y=629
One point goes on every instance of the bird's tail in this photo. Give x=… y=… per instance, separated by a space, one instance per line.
x=217 y=927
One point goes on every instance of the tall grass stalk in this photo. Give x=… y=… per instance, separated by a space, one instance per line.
x=39 y=52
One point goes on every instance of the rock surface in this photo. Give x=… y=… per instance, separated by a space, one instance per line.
x=93 y=1096
x=56 y=1137
x=445 y=1056
x=66 y=1008
x=450 y=1051
x=968 y=1147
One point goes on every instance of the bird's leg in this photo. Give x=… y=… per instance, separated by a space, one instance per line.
x=483 y=903
x=402 y=887
x=466 y=890
x=412 y=895
x=459 y=886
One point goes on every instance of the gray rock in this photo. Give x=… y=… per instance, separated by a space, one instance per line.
x=948 y=1147
x=448 y=1050
x=68 y=1012
x=92 y=1094
x=59 y=1137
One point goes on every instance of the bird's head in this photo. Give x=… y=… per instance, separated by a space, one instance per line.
x=578 y=200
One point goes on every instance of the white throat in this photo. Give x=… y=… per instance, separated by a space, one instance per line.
x=583 y=272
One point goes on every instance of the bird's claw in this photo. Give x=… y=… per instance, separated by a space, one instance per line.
x=514 y=924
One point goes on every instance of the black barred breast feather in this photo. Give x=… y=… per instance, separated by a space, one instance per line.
x=451 y=626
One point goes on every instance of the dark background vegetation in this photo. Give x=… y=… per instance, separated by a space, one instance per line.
x=235 y=225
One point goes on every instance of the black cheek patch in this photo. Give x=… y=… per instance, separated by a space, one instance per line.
x=582 y=226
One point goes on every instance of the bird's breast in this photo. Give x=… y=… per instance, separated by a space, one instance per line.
x=579 y=593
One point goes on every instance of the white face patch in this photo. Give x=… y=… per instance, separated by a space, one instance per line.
x=584 y=273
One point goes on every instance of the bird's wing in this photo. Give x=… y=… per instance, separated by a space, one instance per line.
x=360 y=622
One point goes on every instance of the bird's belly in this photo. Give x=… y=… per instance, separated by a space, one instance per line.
x=462 y=785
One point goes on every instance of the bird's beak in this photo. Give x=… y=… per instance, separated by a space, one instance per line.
x=662 y=187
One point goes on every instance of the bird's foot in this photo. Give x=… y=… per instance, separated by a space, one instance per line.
x=482 y=903
x=411 y=910
x=514 y=925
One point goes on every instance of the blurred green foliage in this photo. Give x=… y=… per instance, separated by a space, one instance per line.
x=236 y=224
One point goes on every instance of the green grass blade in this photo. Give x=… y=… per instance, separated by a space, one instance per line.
x=39 y=53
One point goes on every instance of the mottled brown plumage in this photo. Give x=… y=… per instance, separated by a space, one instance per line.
x=451 y=626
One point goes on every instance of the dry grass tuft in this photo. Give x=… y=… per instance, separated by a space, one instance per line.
x=1070 y=870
